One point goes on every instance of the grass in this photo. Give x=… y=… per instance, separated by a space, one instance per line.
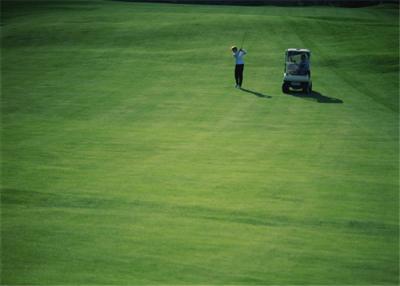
x=129 y=158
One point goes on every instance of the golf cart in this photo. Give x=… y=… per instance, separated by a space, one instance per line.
x=297 y=73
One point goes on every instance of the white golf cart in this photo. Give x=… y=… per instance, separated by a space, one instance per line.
x=297 y=72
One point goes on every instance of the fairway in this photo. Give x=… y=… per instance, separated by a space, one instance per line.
x=128 y=157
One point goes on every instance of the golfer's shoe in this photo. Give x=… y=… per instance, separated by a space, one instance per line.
x=236 y=86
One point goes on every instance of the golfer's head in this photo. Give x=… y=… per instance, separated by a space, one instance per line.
x=234 y=49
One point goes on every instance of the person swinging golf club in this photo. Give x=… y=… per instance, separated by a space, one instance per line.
x=239 y=67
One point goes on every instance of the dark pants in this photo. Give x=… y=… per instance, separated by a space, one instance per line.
x=239 y=74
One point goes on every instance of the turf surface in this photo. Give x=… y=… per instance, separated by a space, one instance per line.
x=129 y=158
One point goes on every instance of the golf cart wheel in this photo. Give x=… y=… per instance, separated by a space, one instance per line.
x=307 y=88
x=285 y=87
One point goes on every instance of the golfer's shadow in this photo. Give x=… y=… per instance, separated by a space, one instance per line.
x=315 y=96
x=258 y=94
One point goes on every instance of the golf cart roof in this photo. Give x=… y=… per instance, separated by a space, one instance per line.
x=298 y=50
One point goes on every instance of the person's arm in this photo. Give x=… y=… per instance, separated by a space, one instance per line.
x=243 y=51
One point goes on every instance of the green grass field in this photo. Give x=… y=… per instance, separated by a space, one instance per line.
x=128 y=157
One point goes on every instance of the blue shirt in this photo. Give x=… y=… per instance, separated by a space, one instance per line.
x=304 y=67
x=239 y=57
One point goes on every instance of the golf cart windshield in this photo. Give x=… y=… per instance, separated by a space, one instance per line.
x=297 y=62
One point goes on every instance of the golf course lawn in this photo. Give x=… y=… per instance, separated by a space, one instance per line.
x=128 y=157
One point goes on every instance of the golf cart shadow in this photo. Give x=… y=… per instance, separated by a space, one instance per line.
x=258 y=94
x=315 y=96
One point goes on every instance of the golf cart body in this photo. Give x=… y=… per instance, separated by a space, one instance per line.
x=296 y=74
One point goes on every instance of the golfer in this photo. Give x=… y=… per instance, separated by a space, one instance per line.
x=239 y=67
x=304 y=66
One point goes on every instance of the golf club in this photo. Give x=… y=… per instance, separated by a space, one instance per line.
x=244 y=37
